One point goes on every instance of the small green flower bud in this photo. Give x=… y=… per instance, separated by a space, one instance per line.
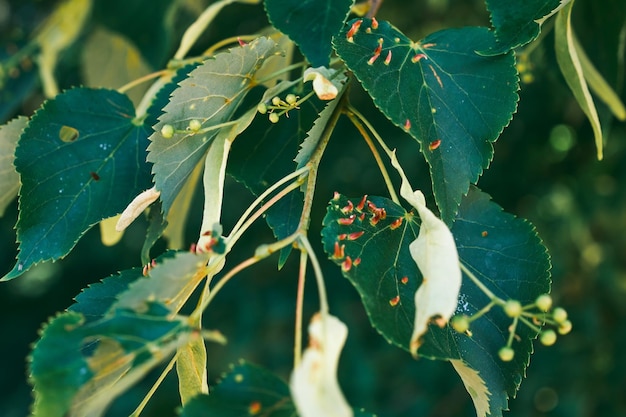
x=460 y=323
x=513 y=308
x=544 y=302
x=291 y=99
x=565 y=327
x=261 y=108
x=559 y=315
x=506 y=354
x=273 y=118
x=195 y=125
x=547 y=337
x=167 y=131
x=276 y=101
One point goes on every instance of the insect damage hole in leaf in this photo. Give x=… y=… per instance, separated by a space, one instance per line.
x=77 y=150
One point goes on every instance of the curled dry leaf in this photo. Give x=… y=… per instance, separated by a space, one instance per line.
x=313 y=383
x=136 y=207
x=323 y=87
x=434 y=252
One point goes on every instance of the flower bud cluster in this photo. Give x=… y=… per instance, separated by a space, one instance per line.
x=534 y=315
x=277 y=106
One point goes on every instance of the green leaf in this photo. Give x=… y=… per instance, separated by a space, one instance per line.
x=9 y=178
x=311 y=24
x=56 y=375
x=570 y=64
x=210 y=95
x=452 y=100
x=518 y=23
x=81 y=159
x=245 y=390
x=78 y=368
x=372 y=248
x=96 y=300
x=506 y=254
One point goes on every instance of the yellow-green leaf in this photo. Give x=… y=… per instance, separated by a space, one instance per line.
x=475 y=386
x=570 y=64
x=110 y=60
x=9 y=178
x=598 y=84
x=191 y=369
x=58 y=32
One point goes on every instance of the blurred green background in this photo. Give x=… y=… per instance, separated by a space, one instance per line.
x=544 y=170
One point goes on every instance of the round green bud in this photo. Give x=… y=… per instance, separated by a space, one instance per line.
x=261 y=108
x=547 y=337
x=559 y=315
x=276 y=101
x=167 y=131
x=513 y=308
x=544 y=302
x=291 y=99
x=460 y=323
x=273 y=118
x=565 y=327
x=506 y=354
x=195 y=125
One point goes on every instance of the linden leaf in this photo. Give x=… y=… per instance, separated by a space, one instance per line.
x=518 y=23
x=369 y=238
x=9 y=178
x=208 y=97
x=435 y=254
x=78 y=368
x=454 y=102
x=247 y=390
x=314 y=386
x=81 y=159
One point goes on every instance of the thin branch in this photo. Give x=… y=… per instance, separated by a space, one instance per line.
x=236 y=234
x=355 y=119
x=154 y=387
x=262 y=252
x=319 y=276
x=297 y=346
x=143 y=79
